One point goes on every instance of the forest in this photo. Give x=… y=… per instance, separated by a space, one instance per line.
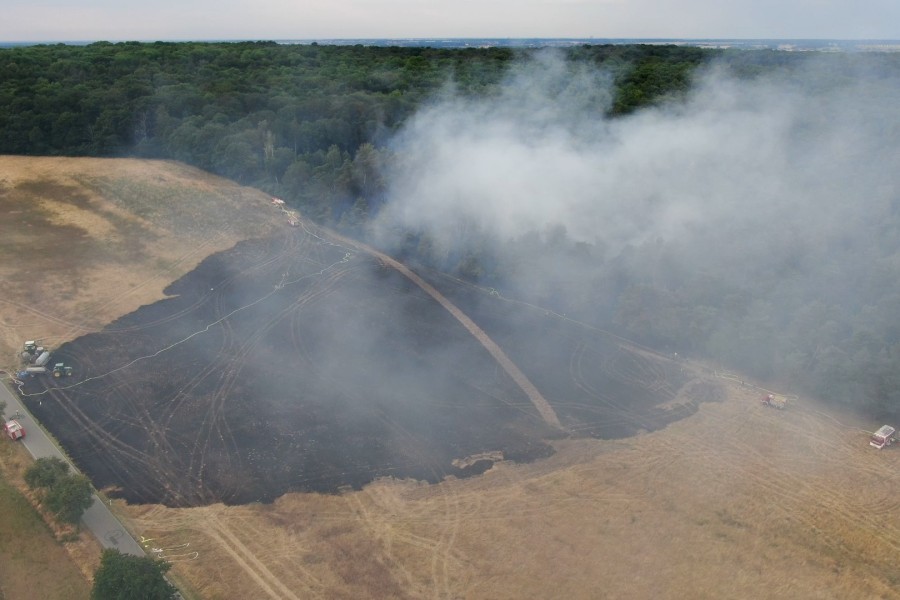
x=317 y=125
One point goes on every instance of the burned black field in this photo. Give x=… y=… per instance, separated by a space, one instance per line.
x=298 y=363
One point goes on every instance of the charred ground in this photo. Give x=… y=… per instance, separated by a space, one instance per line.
x=295 y=363
x=737 y=501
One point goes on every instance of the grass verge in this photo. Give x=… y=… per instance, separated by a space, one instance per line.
x=32 y=563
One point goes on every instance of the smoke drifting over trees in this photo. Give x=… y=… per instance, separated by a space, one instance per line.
x=749 y=214
x=541 y=154
x=755 y=221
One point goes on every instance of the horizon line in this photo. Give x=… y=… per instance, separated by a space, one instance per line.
x=427 y=38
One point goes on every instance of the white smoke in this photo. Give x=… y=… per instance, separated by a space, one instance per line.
x=803 y=152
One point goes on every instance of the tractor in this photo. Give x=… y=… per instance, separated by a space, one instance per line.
x=60 y=369
x=774 y=401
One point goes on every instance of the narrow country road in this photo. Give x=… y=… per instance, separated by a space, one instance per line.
x=97 y=519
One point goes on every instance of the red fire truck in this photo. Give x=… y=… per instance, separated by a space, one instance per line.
x=14 y=429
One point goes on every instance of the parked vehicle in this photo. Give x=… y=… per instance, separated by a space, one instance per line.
x=60 y=370
x=883 y=437
x=14 y=430
x=774 y=401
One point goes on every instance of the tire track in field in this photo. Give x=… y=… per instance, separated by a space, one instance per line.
x=246 y=559
x=576 y=372
x=440 y=549
x=92 y=310
x=138 y=416
x=215 y=423
x=116 y=454
x=234 y=354
x=829 y=449
x=383 y=532
x=788 y=491
x=443 y=547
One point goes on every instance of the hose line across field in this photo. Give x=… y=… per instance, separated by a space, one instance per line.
x=534 y=395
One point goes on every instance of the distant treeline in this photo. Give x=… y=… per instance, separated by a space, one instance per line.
x=310 y=123
x=288 y=118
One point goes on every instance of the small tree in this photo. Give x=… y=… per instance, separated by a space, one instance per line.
x=65 y=495
x=69 y=498
x=121 y=576
x=46 y=472
x=2 y=409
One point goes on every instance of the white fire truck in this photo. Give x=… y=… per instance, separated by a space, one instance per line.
x=883 y=437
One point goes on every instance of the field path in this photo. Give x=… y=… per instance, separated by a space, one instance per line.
x=537 y=399
x=246 y=558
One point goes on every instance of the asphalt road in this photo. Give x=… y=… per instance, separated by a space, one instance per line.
x=97 y=519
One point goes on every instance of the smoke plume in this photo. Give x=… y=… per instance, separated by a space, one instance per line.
x=808 y=156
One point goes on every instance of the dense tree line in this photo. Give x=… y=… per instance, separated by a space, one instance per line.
x=310 y=123
x=292 y=119
x=237 y=109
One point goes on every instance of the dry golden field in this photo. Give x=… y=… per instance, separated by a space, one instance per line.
x=84 y=240
x=33 y=562
x=736 y=501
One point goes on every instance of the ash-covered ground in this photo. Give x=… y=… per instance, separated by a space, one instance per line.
x=297 y=363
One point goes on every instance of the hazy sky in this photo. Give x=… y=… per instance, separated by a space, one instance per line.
x=115 y=20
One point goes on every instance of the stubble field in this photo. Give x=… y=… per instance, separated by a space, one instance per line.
x=299 y=362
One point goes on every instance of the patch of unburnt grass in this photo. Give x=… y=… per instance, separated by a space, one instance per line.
x=356 y=561
x=181 y=208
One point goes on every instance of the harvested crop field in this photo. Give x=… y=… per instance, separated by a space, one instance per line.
x=469 y=445
x=85 y=241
